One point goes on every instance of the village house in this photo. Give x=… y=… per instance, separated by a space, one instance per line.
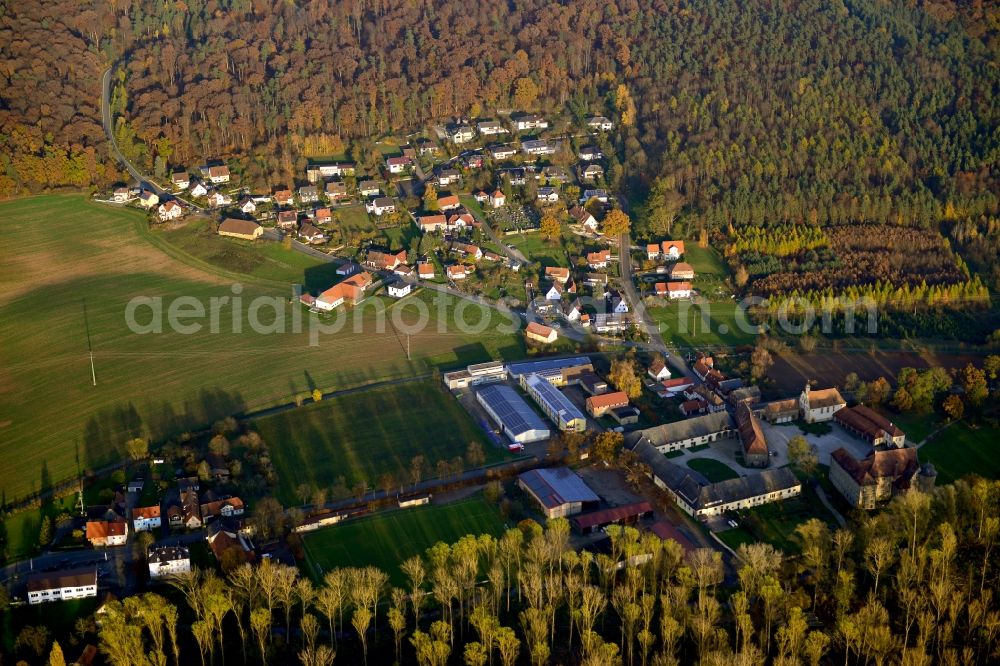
x=283 y=197
x=399 y=289
x=590 y=153
x=547 y=194
x=449 y=202
x=180 y=180
x=702 y=366
x=555 y=174
x=538 y=147
x=529 y=121
x=398 y=164
x=498 y=199
x=583 y=217
x=599 y=405
x=676 y=386
x=317 y=172
x=481 y=196
x=336 y=191
x=190 y=510
x=385 y=261
x=592 y=172
x=218 y=174
x=610 y=322
x=673 y=290
x=743 y=394
x=598 y=259
x=46 y=586
x=502 y=152
x=351 y=291
x=308 y=194
x=879 y=476
x=617 y=303
x=287 y=219
x=248 y=206
x=369 y=188
x=461 y=220
x=381 y=206
x=242 y=229
x=573 y=311
x=600 y=123
x=681 y=271
x=427 y=147
x=170 y=210
x=600 y=194
x=429 y=223
x=323 y=215
x=653 y=251
x=311 y=234
x=557 y=274
x=457 y=272
x=460 y=134
x=449 y=177
x=228 y=543
x=425 y=270
x=658 y=370
x=702 y=392
x=690 y=408
x=218 y=199
x=540 y=333
x=120 y=195
x=474 y=252
x=199 y=190
x=820 y=405
x=403 y=270
x=672 y=249
x=516 y=176
x=870 y=426
x=148 y=199
x=225 y=508
x=554 y=292
x=167 y=561
x=146 y=518
x=474 y=161
x=102 y=533
x=490 y=128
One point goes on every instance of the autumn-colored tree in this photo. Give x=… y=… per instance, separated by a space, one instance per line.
x=801 y=454
x=878 y=391
x=624 y=377
x=742 y=276
x=525 y=93
x=550 y=228
x=760 y=362
x=973 y=382
x=953 y=407
x=317 y=395
x=137 y=448
x=431 y=198
x=902 y=400
x=616 y=223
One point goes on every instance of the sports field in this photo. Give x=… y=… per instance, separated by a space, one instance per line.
x=387 y=540
x=361 y=436
x=63 y=252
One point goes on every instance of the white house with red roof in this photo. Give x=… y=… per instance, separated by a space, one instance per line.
x=498 y=199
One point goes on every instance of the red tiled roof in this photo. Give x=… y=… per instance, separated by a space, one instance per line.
x=146 y=512
x=614 y=514
x=538 y=329
x=102 y=529
x=615 y=399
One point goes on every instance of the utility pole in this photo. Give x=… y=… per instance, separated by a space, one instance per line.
x=90 y=348
x=407 y=346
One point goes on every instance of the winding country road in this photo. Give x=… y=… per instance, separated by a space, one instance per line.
x=108 y=122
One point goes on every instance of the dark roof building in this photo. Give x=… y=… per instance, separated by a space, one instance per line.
x=879 y=475
x=628 y=513
x=685 y=434
x=870 y=426
x=558 y=490
x=517 y=420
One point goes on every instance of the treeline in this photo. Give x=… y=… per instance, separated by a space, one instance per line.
x=913 y=584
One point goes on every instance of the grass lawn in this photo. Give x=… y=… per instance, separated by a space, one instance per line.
x=363 y=435
x=538 y=249
x=711 y=469
x=473 y=206
x=705 y=261
x=962 y=449
x=775 y=523
x=264 y=260
x=62 y=251
x=354 y=219
x=387 y=540
x=696 y=326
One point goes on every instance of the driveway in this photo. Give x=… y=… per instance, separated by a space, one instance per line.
x=778 y=436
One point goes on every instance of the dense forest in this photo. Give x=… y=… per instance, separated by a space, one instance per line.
x=731 y=112
x=913 y=585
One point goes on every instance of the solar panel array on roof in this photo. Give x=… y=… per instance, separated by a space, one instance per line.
x=515 y=416
x=530 y=367
x=557 y=402
x=556 y=486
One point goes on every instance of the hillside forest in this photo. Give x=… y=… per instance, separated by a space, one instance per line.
x=744 y=113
